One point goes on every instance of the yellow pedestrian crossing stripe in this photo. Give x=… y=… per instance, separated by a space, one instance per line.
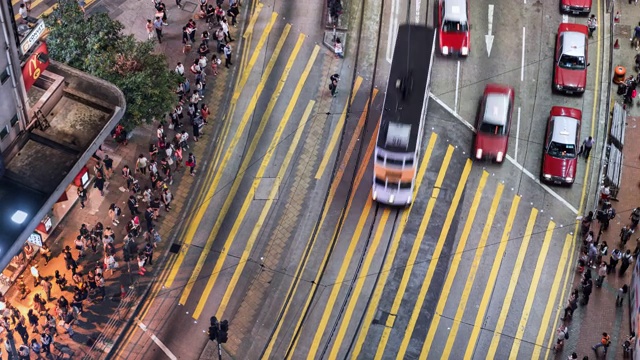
x=491 y=282
x=475 y=264
x=413 y=255
x=515 y=275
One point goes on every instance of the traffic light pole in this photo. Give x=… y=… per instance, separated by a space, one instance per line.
x=219 y=351
x=218 y=332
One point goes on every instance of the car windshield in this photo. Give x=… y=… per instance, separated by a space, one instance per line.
x=492 y=129
x=562 y=151
x=572 y=62
x=454 y=26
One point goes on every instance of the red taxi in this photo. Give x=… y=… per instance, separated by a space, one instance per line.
x=575 y=7
x=561 y=143
x=453 y=32
x=570 y=70
x=494 y=122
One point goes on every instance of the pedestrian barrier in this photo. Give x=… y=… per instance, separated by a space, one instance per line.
x=616 y=135
x=613 y=165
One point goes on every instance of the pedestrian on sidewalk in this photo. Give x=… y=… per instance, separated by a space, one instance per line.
x=149 y=26
x=132 y=203
x=625 y=261
x=337 y=49
x=628 y=345
x=101 y=292
x=82 y=196
x=167 y=197
x=157 y=24
x=622 y=292
x=191 y=164
x=214 y=64
x=616 y=254
x=126 y=172
x=587 y=145
x=586 y=224
x=142 y=260
x=587 y=287
x=605 y=341
x=99 y=183
x=36 y=348
x=148 y=252
x=141 y=164
x=192 y=28
x=46 y=286
x=233 y=13
x=108 y=167
x=114 y=213
x=148 y=216
x=61 y=280
x=625 y=235
x=80 y=245
x=227 y=55
x=562 y=334
x=592 y=24
x=602 y=273
x=572 y=304
x=333 y=84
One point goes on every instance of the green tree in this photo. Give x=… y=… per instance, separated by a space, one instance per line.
x=96 y=45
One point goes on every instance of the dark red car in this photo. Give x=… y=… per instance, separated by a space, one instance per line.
x=570 y=70
x=576 y=7
x=561 y=143
x=453 y=31
x=494 y=123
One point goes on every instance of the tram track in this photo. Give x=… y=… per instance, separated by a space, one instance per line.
x=378 y=209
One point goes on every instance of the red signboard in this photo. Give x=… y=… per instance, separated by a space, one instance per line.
x=35 y=65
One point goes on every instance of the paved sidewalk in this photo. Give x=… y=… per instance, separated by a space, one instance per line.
x=601 y=314
x=101 y=322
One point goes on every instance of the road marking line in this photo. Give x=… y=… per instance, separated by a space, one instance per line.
x=415 y=249
x=455 y=263
x=455 y=104
x=544 y=186
x=512 y=160
x=319 y=330
x=491 y=281
x=364 y=272
x=246 y=163
x=337 y=130
x=284 y=309
x=293 y=343
x=374 y=301
x=212 y=189
x=522 y=60
x=452 y=112
x=244 y=75
x=434 y=260
x=565 y=18
x=257 y=227
x=160 y=344
x=594 y=115
x=555 y=287
x=568 y=274
x=252 y=21
x=537 y=273
x=517 y=135
x=393 y=30
x=515 y=275
x=471 y=278
x=418 y=5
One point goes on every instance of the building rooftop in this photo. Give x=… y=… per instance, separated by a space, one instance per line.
x=81 y=111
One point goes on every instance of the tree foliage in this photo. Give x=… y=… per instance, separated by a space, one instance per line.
x=97 y=45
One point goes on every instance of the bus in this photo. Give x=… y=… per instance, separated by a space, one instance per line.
x=403 y=115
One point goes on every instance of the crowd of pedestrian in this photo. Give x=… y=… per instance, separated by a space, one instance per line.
x=593 y=257
x=98 y=249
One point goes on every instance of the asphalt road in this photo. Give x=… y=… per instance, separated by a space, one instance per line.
x=308 y=268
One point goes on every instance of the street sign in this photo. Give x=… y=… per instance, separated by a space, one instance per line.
x=32 y=37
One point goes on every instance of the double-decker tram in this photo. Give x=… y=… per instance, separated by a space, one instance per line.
x=400 y=133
